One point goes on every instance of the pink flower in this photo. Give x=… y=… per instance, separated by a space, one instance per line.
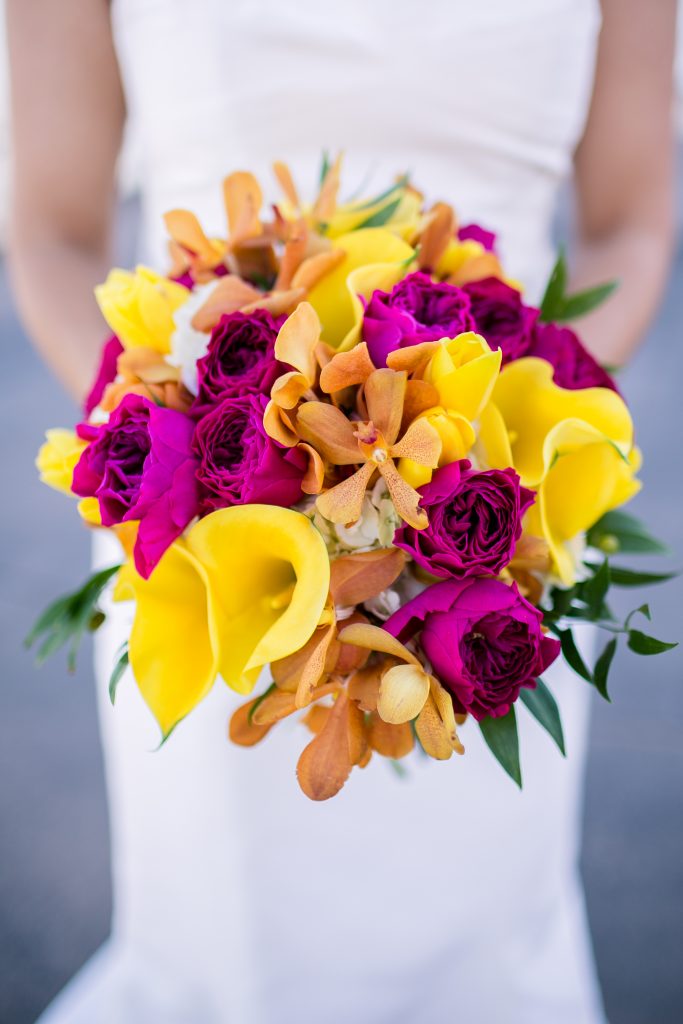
x=483 y=639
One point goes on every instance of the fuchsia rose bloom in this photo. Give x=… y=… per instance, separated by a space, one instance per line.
x=483 y=639
x=477 y=234
x=416 y=309
x=239 y=463
x=240 y=359
x=111 y=350
x=139 y=465
x=573 y=364
x=475 y=520
x=501 y=317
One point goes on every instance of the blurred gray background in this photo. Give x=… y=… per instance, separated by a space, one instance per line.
x=54 y=871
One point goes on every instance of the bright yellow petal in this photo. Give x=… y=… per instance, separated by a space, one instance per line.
x=493 y=443
x=57 y=458
x=268 y=575
x=89 y=511
x=382 y=257
x=170 y=648
x=139 y=307
x=402 y=694
x=457 y=436
x=531 y=405
x=464 y=371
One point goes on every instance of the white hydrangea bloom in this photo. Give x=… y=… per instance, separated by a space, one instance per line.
x=374 y=528
x=188 y=344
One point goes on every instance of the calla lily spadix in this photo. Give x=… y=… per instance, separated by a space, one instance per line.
x=246 y=585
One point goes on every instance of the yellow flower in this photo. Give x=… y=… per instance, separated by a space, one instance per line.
x=375 y=258
x=464 y=371
x=139 y=307
x=246 y=586
x=57 y=458
x=575 y=448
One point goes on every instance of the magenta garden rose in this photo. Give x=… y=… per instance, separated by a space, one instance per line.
x=106 y=373
x=139 y=465
x=416 y=309
x=501 y=316
x=239 y=464
x=483 y=639
x=240 y=359
x=476 y=233
x=475 y=520
x=573 y=364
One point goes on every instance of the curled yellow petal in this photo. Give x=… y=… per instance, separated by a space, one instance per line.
x=170 y=647
x=402 y=694
x=139 y=307
x=57 y=458
x=374 y=638
x=268 y=576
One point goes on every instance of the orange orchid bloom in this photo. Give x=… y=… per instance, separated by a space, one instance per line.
x=143 y=371
x=374 y=443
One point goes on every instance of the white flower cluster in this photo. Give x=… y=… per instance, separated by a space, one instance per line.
x=187 y=343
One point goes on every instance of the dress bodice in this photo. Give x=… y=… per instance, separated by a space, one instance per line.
x=483 y=102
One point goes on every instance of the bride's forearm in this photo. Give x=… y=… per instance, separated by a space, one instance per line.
x=53 y=282
x=638 y=258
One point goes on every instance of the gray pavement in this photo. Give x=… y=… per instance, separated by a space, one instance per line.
x=54 y=872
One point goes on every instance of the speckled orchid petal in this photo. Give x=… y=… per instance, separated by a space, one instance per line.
x=343 y=503
x=405 y=498
x=420 y=443
x=243 y=199
x=456 y=435
x=329 y=431
x=186 y=231
x=381 y=257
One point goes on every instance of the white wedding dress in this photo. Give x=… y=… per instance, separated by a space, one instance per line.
x=447 y=896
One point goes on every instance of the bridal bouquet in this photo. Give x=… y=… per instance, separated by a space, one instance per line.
x=343 y=456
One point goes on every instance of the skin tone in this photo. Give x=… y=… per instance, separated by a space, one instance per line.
x=62 y=59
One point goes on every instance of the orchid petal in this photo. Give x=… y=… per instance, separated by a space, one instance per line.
x=346 y=369
x=330 y=432
x=374 y=638
x=402 y=694
x=384 y=394
x=405 y=498
x=343 y=503
x=297 y=339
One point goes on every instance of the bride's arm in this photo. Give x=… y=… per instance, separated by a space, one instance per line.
x=68 y=114
x=624 y=174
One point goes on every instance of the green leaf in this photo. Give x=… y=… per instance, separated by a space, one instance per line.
x=400 y=184
x=120 y=667
x=324 y=166
x=644 y=609
x=619 y=531
x=602 y=667
x=398 y=768
x=553 y=297
x=503 y=742
x=630 y=578
x=581 y=303
x=594 y=590
x=381 y=217
x=542 y=705
x=572 y=655
x=68 y=618
x=643 y=644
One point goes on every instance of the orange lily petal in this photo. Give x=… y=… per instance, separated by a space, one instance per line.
x=346 y=369
x=394 y=741
x=297 y=339
x=325 y=763
x=242 y=730
x=243 y=198
x=374 y=638
x=359 y=576
x=330 y=432
x=230 y=294
x=344 y=502
x=314 y=477
x=384 y=394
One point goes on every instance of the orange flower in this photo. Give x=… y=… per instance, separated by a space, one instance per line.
x=374 y=444
x=143 y=371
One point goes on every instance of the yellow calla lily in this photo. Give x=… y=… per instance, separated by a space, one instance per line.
x=139 y=307
x=246 y=586
x=57 y=458
x=375 y=258
x=574 y=447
